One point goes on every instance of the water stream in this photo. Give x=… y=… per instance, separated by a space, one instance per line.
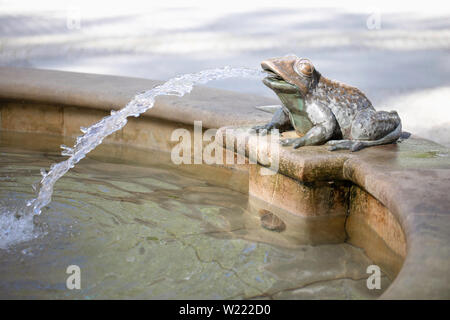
x=16 y=219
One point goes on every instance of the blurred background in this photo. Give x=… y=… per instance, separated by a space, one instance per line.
x=397 y=53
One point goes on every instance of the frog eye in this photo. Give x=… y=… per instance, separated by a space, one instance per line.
x=304 y=67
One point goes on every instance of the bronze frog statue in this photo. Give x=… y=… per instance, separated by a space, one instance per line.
x=324 y=111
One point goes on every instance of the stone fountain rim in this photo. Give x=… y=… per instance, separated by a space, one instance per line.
x=417 y=195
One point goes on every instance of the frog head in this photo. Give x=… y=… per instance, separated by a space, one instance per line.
x=289 y=74
x=291 y=78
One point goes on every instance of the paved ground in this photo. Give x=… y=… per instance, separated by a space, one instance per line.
x=397 y=55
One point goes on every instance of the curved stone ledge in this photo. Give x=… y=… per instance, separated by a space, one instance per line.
x=406 y=183
x=411 y=179
x=103 y=92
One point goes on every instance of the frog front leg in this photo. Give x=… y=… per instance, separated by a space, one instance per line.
x=324 y=127
x=317 y=135
x=280 y=121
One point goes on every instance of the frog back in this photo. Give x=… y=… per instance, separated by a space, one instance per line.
x=344 y=101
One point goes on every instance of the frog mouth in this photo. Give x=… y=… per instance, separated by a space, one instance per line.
x=273 y=76
x=277 y=83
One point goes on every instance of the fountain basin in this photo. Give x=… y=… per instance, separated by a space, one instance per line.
x=391 y=201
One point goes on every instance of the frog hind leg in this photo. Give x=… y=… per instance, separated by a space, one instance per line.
x=370 y=128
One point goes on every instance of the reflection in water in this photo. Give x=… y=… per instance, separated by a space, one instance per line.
x=155 y=232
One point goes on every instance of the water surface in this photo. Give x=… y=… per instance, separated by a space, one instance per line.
x=155 y=232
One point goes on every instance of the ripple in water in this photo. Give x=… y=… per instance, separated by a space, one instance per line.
x=143 y=228
x=13 y=227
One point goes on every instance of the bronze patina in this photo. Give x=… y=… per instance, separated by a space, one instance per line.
x=323 y=110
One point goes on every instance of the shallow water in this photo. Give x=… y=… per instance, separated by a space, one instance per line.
x=156 y=232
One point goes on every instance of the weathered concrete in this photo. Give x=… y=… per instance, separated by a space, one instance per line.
x=411 y=179
x=400 y=191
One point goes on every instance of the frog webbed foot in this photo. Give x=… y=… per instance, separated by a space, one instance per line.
x=265 y=128
x=286 y=142
x=351 y=145
x=296 y=142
